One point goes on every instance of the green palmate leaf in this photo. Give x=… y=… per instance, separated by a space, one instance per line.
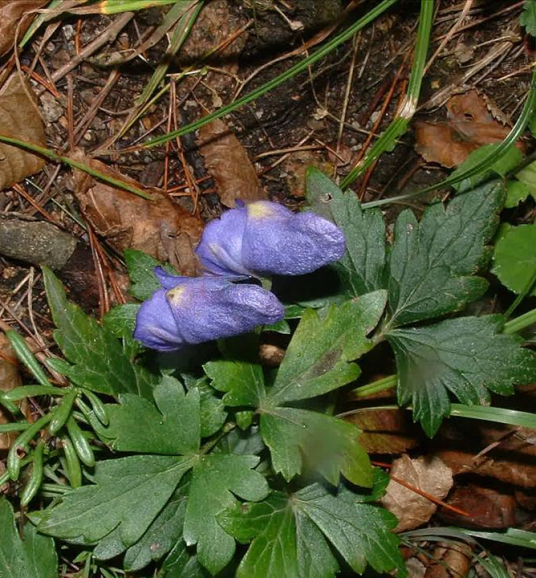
x=283 y=541
x=181 y=563
x=514 y=258
x=516 y=192
x=432 y=262
x=170 y=428
x=33 y=557
x=293 y=536
x=140 y=269
x=528 y=17
x=127 y=496
x=465 y=356
x=527 y=178
x=215 y=478
x=213 y=414
x=121 y=319
x=243 y=381
x=162 y=534
x=361 y=267
x=317 y=359
x=501 y=167
x=100 y=362
x=327 y=444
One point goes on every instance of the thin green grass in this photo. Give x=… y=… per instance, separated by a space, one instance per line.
x=400 y=124
x=53 y=156
x=270 y=85
x=513 y=136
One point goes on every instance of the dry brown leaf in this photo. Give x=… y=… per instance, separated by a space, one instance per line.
x=225 y=158
x=9 y=379
x=228 y=163
x=386 y=431
x=507 y=453
x=296 y=165
x=159 y=227
x=430 y=475
x=450 y=560
x=15 y=17
x=19 y=118
x=486 y=508
x=470 y=125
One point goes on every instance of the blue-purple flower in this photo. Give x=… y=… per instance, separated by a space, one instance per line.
x=264 y=239
x=191 y=310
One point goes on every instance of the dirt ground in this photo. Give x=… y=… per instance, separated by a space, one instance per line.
x=327 y=116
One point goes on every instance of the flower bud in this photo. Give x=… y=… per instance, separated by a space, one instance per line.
x=264 y=239
x=191 y=310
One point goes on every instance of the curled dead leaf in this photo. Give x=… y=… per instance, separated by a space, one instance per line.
x=9 y=379
x=470 y=125
x=429 y=475
x=19 y=118
x=15 y=17
x=228 y=163
x=158 y=227
x=486 y=508
x=449 y=560
x=501 y=452
x=385 y=431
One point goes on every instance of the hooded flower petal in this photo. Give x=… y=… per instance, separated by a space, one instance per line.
x=280 y=242
x=155 y=325
x=201 y=309
x=266 y=239
x=220 y=249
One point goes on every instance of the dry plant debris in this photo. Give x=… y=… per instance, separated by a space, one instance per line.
x=15 y=17
x=430 y=475
x=9 y=379
x=469 y=125
x=158 y=227
x=449 y=560
x=19 y=118
x=386 y=431
x=485 y=508
x=505 y=454
x=228 y=163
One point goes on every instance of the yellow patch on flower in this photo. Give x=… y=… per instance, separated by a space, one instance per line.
x=176 y=295
x=259 y=210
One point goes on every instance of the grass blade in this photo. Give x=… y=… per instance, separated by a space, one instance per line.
x=296 y=69
x=51 y=155
x=495 y=414
x=400 y=124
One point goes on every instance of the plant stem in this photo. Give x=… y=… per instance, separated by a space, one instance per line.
x=519 y=323
x=376 y=386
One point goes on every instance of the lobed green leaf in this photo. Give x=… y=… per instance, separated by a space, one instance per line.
x=362 y=265
x=33 y=557
x=432 y=263
x=466 y=356
x=99 y=361
x=172 y=427
x=215 y=478
x=293 y=535
x=119 y=507
x=514 y=259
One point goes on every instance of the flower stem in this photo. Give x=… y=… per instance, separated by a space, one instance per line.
x=519 y=323
x=376 y=386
